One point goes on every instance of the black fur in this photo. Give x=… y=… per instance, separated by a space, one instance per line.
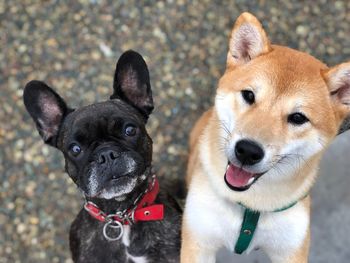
x=108 y=154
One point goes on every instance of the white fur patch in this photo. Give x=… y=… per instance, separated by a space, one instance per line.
x=126 y=242
x=305 y=147
x=93 y=182
x=118 y=191
x=215 y=223
x=126 y=235
x=137 y=259
x=223 y=107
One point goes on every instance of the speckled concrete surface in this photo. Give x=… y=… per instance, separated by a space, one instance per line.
x=73 y=46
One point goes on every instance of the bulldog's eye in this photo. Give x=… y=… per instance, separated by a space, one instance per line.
x=130 y=130
x=297 y=118
x=75 y=149
x=248 y=96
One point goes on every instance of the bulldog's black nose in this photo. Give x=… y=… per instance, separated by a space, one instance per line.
x=107 y=156
x=248 y=152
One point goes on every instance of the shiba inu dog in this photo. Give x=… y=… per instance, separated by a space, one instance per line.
x=254 y=155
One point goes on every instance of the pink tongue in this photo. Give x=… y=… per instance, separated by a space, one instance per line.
x=237 y=177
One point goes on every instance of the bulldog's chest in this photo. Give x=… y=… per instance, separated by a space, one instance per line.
x=218 y=224
x=128 y=250
x=151 y=241
x=95 y=248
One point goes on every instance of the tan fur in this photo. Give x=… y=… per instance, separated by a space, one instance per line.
x=190 y=249
x=284 y=81
x=302 y=254
x=195 y=135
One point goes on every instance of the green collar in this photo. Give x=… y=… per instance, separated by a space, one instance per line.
x=249 y=224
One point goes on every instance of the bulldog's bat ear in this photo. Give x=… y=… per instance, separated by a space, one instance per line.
x=46 y=108
x=248 y=40
x=338 y=82
x=132 y=83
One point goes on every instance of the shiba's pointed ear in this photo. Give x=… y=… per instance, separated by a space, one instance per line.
x=248 y=40
x=46 y=108
x=338 y=81
x=132 y=83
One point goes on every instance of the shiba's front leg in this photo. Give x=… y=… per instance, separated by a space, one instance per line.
x=300 y=255
x=193 y=250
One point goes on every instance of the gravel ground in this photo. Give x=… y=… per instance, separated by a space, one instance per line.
x=73 y=46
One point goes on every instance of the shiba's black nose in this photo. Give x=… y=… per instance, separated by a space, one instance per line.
x=248 y=152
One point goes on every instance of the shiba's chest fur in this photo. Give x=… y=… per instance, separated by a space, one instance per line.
x=217 y=222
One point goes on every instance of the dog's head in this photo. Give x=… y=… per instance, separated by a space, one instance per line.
x=277 y=109
x=106 y=147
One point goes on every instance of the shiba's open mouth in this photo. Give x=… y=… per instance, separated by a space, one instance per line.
x=238 y=179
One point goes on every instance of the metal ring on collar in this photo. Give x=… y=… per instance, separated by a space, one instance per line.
x=115 y=225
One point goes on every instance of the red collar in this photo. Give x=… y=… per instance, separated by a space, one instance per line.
x=144 y=210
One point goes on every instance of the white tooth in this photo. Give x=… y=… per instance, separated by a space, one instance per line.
x=228 y=166
x=251 y=180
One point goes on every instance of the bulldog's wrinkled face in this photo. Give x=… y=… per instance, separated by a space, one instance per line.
x=107 y=150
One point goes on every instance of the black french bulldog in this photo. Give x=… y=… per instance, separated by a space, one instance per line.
x=108 y=154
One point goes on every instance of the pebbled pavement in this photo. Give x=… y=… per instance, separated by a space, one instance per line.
x=73 y=46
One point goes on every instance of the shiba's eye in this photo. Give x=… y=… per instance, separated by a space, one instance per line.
x=130 y=130
x=248 y=96
x=75 y=149
x=297 y=118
